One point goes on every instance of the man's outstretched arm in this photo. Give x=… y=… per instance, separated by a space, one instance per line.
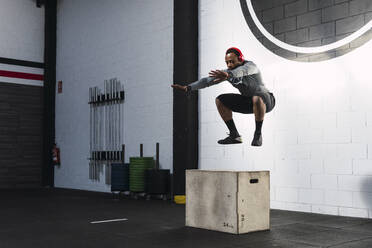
x=200 y=84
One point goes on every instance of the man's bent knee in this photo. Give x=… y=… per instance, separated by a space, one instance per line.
x=257 y=100
x=218 y=101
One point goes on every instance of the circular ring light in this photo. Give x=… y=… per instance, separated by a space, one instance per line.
x=294 y=52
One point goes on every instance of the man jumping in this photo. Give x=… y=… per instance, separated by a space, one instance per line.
x=254 y=97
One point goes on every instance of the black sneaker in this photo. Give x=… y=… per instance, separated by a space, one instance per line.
x=257 y=140
x=231 y=139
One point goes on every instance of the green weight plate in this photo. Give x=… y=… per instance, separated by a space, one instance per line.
x=141 y=167
x=141 y=160
x=136 y=180
x=137 y=173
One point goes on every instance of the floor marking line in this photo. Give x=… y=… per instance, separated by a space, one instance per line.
x=105 y=221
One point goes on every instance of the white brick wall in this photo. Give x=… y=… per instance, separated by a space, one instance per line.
x=353 y=151
x=339 y=198
x=311 y=166
x=355 y=183
x=286 y=194
x=312 y=196
x=354 y=212
x=362 y=167
x=351 y=119
x=337 y=135
x=310 y=136
x=338 y=166
x=298 y=207
x=317 y=141
x=129 y=40
x=362 y=199
x=361 y=135
x=369 y=151
x=323 y=151
x=323 y=120
x=322 y=209
x=324 y=181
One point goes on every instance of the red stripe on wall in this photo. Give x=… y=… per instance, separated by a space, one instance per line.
x=14 y=74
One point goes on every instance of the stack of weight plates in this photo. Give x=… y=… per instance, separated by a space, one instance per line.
x=137 y=168
x=157 y=181
x=119 y=177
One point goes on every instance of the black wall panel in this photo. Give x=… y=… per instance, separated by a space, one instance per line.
x=185 y=106
x=50 y=53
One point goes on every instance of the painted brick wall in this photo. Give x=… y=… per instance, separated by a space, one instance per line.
x=317 y=140
x=129 y=40
x=22 y=30
x=309 y=23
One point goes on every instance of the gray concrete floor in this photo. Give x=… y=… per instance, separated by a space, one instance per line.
x=62 y=218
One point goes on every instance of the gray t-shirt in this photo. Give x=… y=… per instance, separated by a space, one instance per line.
x=246 y=78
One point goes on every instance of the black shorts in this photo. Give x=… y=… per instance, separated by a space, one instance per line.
x=244 y=104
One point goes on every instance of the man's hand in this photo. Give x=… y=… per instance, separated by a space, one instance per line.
x=218 y=75
x=179 y=87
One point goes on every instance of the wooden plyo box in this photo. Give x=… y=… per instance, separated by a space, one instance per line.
x=228 y=201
